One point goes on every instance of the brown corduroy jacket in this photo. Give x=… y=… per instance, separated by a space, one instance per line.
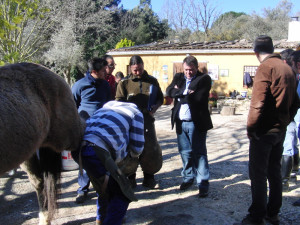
x=274 y=101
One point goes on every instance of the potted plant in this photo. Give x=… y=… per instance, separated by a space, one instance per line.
x=213 y=98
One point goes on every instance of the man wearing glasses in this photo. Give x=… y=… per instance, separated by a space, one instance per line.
x=109 y=77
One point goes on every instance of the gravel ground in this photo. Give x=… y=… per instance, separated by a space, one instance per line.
x=228 y=200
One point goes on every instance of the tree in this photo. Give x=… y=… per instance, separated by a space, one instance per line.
x=143 y=3
x=176 y=14
x=202 y=14
x=274 y=22
x=229 y=26
x=84 y=29
x=124 y=43
x=23 y=24
x=142 y=25
x=195 y=15
x=66 y=52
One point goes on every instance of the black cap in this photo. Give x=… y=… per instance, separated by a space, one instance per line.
x=264 y=44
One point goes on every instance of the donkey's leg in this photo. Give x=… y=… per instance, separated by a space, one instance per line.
x=35 y=175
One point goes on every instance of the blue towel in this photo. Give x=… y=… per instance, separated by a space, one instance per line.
x=152 y=97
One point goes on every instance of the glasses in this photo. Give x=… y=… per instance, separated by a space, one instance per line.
x=111 y=65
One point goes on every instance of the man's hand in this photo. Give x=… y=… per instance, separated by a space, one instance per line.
x=190 y=91
x=154 y=108
x=133 y=155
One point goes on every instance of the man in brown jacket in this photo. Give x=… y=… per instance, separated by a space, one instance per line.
x=273 y=105
x=143 y=90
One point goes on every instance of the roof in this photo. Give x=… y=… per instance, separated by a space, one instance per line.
x=241 y=46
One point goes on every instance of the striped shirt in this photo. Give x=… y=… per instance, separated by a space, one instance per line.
x=117 y=127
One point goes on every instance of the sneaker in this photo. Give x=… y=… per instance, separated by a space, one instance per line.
x=273 y=219
x=185 y=185
x=150 y=183
x=248 y=220
x=80 y=198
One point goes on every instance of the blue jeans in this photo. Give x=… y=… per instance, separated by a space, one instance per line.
x=192 y=148
x=84 y=183
x=109 y=210
x=265 y=164
x=290 y=144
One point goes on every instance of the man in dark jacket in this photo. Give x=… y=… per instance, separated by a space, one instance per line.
x=90 y=94
x=273 y=105
x=191 y=115
x=296 y=67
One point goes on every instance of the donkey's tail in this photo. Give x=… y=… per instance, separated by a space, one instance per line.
x=51 y=166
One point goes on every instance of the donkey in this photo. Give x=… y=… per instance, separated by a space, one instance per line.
x=38 y=120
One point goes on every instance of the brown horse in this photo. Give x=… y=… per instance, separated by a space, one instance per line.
x=37 y=111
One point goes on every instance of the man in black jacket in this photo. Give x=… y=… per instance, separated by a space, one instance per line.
x=191 y=116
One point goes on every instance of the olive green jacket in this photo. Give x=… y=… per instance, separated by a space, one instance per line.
x=137 y=90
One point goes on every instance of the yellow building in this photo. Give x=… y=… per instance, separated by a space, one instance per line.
x=226 y=62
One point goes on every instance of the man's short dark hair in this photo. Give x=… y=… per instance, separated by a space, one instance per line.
x=135 y=60
x=119 y=75
x=108 y=57
x=287 y=55
x=96 y=64
x=263 y=44
x=191 y=60
x=295 y=56
x=295 y=60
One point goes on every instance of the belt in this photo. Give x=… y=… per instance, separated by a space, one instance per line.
x=186 y=120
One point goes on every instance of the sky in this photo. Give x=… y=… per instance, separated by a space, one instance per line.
x=247 y=6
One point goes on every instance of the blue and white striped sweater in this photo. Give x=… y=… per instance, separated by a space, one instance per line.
x=117 y=126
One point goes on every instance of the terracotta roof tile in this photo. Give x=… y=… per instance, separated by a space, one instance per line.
x=238 y=44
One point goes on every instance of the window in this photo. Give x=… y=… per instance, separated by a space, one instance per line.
x=251 y=70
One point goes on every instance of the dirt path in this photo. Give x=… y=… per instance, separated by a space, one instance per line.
x=227 y=202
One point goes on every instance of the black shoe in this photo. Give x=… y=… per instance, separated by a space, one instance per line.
x=185 y=185
x=296 y=203
x=294 y=177
x=203 y=188
x=273 y=219
x=203 y=192
x=248 y=220
x=285 y=185
x=80 y=198
x=286 y=170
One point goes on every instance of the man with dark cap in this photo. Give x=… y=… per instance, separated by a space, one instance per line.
x=273 y=105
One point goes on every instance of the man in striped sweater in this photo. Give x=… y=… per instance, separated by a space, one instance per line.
x=113 y=135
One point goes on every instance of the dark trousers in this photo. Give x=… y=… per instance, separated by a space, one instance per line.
x=111 y=205
x=265 y=164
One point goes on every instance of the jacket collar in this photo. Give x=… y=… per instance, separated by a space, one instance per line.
x=274 y=55
x=91 y=79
